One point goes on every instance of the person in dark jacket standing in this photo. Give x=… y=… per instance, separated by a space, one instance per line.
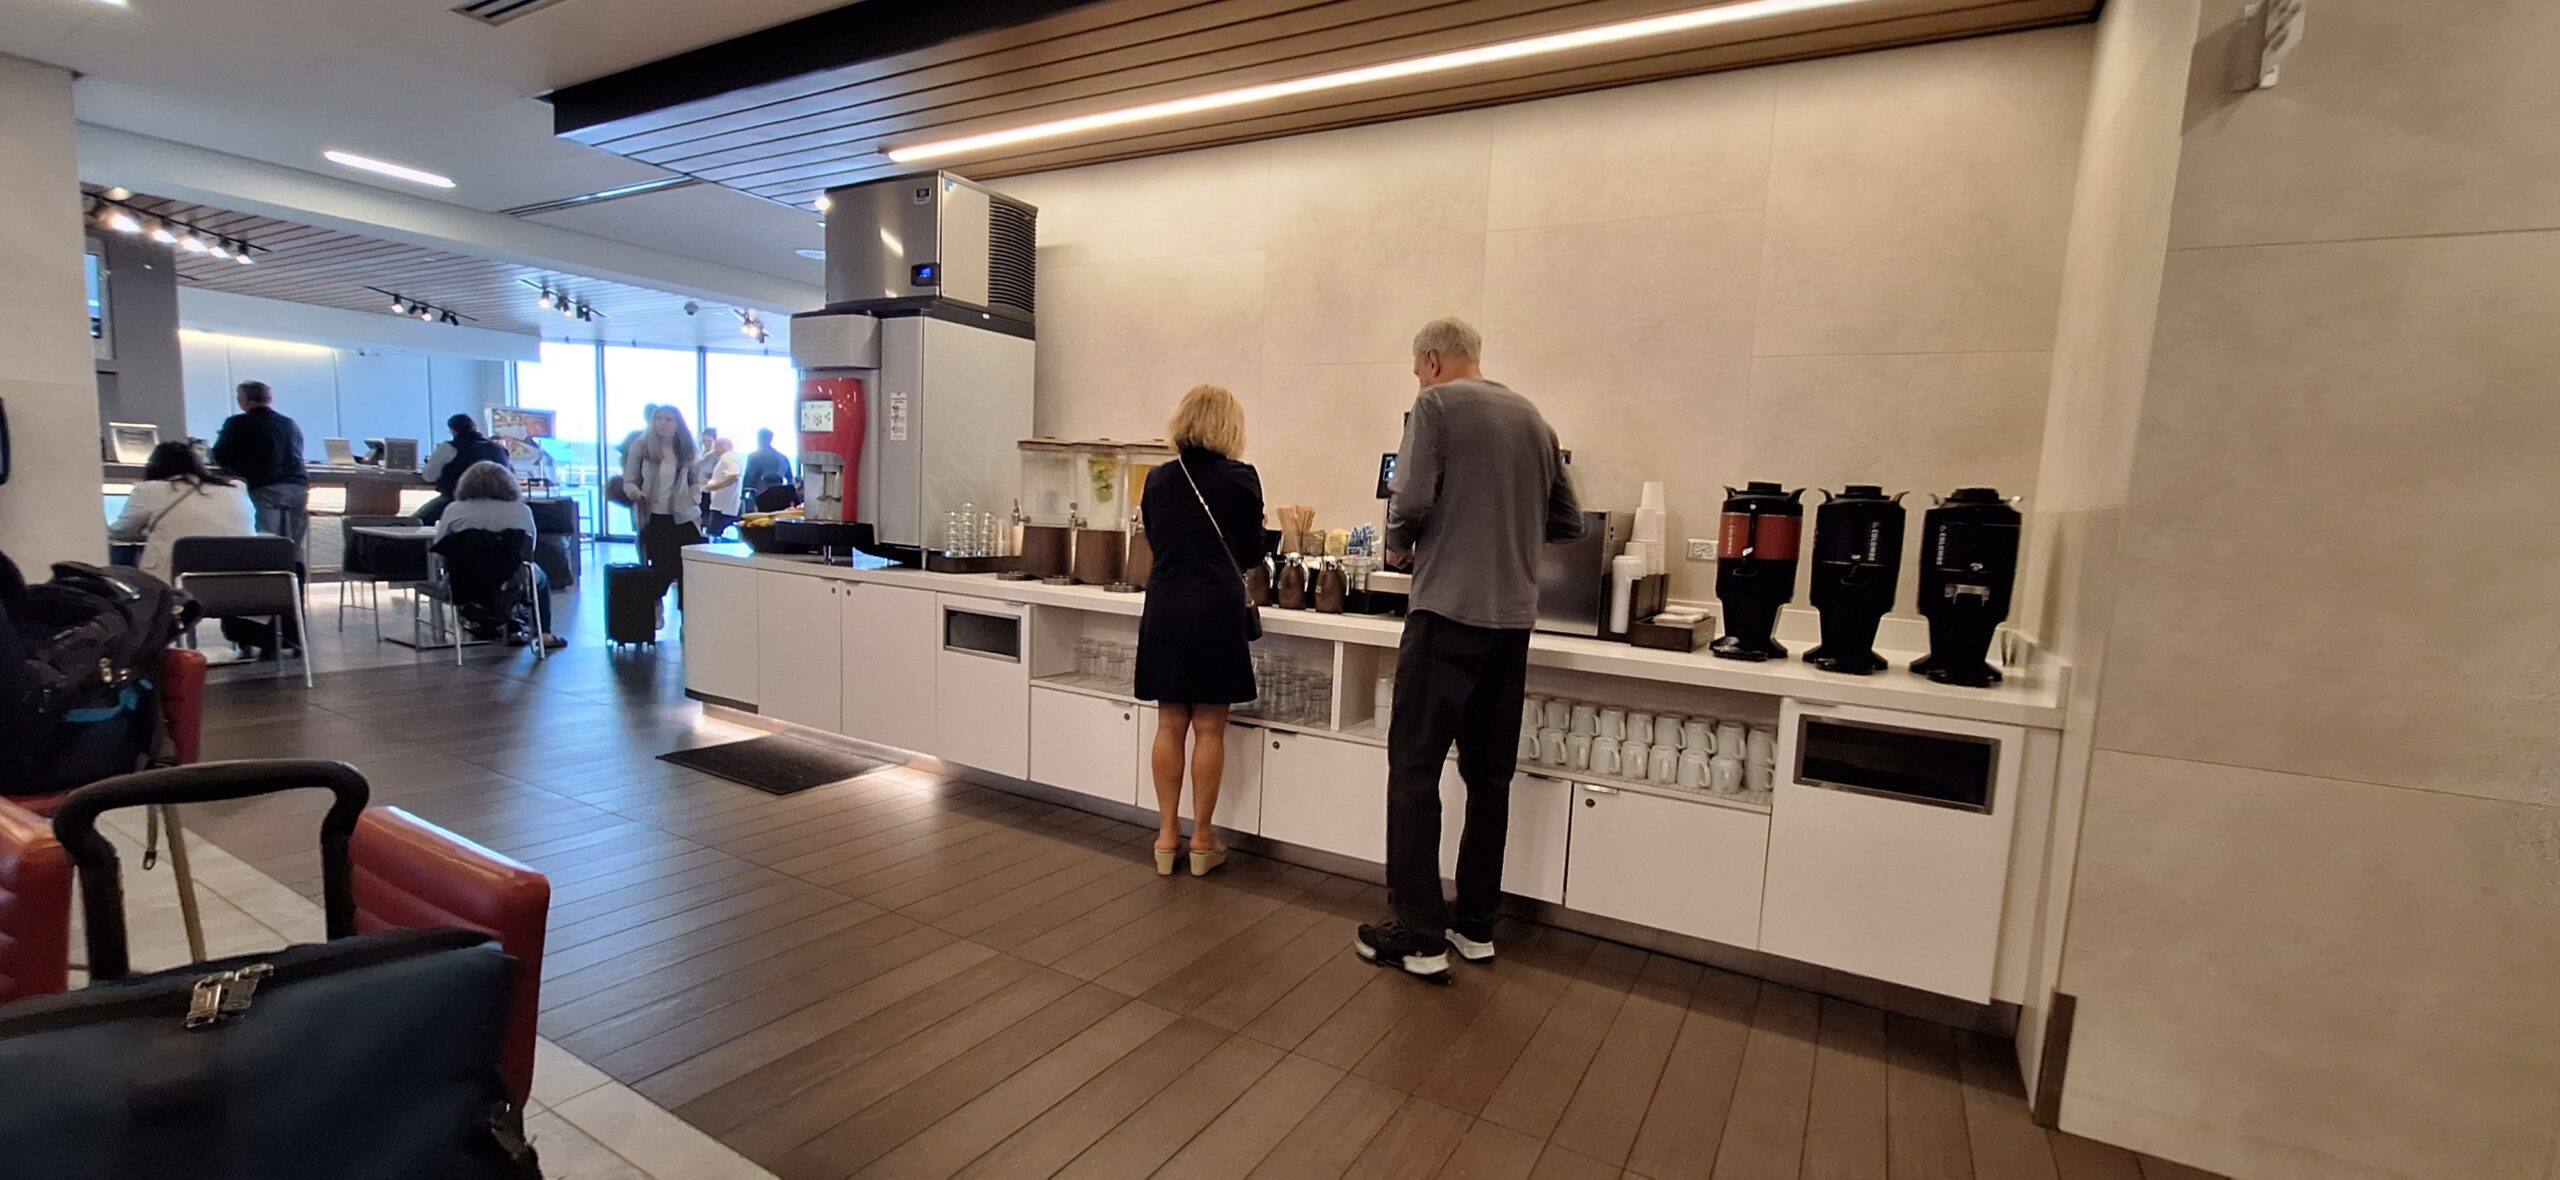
x=264 y=448
x=444 y=468
x=766 y=467
x=1480 y=485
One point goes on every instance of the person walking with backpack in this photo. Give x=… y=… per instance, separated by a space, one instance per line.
x=264 y=448
x=1480 y=485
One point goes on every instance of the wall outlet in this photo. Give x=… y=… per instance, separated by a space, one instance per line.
x=1702 y=549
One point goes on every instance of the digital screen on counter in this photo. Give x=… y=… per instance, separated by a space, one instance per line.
x=1386 y=475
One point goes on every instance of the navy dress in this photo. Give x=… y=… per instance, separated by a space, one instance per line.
x=1192 y=644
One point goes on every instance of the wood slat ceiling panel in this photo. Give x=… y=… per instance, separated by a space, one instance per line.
x=791 y=138
x=1158 y=139
x=328 y=268
x=1022 y=96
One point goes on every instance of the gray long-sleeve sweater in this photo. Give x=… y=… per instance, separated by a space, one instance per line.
x=1480 y=485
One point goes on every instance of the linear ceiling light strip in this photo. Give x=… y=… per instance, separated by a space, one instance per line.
x=1689 y=21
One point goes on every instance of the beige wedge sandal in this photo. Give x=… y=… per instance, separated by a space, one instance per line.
x=1203 y=860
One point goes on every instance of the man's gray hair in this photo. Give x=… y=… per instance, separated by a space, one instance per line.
x=1451 y=337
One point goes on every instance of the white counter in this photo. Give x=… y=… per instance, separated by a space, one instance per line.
x=984 y=673
x=2030 y=699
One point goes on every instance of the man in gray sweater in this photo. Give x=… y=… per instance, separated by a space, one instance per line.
x=1480 y=486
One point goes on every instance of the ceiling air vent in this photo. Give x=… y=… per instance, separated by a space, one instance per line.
x=1013 y=256
x=499 y=12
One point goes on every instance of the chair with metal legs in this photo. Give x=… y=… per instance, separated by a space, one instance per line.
x=367 y=570
x=256 y=577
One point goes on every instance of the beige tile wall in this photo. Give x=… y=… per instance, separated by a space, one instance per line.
x=2316 y=928
x=1701 y=281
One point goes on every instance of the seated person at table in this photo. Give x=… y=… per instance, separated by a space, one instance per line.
x=177 y=498
x=445 y=468
x=481 y=560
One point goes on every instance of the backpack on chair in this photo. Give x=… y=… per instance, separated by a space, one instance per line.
x=79 y=664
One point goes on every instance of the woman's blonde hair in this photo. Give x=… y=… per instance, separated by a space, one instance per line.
x=1209 y=418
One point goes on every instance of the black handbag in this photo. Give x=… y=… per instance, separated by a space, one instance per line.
x=1252 y=613
x=365 y=1056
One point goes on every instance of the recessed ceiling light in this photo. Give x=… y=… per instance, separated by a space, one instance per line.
x=386 y=168
x=806 y=252
x=1687 y=21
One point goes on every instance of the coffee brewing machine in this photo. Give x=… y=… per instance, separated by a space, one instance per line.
x=915 y=379
x=1968 y=570
x=1857 y=566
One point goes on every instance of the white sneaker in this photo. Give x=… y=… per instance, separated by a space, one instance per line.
x=1470 y=949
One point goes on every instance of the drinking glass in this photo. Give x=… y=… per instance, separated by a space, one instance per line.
x=1088 y=659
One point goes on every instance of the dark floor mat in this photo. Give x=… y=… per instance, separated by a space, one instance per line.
x=776 y=765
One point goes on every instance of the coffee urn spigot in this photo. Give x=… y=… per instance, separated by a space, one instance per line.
x=1857 y=566
x=1968 y=570
x=1075 y=533
x=1756 y=544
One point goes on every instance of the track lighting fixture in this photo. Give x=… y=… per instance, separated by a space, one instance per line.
x=749 y=325
x=568 y=306
x=113 y=210
x=402 y=305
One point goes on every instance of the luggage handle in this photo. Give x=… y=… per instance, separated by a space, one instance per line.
x=75 y=825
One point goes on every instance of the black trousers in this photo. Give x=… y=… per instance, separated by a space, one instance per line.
x=662 y=542
x=1461 y=685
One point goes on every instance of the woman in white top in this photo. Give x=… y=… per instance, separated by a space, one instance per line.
x=179 y=498
x=658 y=475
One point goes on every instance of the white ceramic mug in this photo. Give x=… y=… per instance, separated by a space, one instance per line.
x=1763 y=748
x=1586 y=718
x=1559 y=713
x=1606 y=755
x=1577 y=751
x=1699 y=734
x=1533 y=713
x=1725 y=775
x=1640 y=728
x=1761 y=779
x=1729 y=739
x=1613 y=723
x=1551 y=746
x=1666 y=730
x=1528 y=745
x=1665 y=770
x=1693 y=769
x=1634 y=759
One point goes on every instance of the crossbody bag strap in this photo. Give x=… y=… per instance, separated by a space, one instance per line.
x=1223 y=543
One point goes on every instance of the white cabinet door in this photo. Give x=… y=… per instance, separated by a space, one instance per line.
x=1085 y=744
x=982 y=684
x=890 y=649
x=1692 y=868
x=799 y=659
x=1533 y=857
x=1324 y=793
x=720 y=631
x=1239 y=789
x=1886 y=887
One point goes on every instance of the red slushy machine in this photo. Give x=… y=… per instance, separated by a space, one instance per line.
x=915 y=379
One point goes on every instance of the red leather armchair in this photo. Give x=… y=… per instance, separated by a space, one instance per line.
x=409 y=872
x=35 y=906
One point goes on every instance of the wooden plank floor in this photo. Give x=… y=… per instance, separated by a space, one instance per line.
x=902 y=975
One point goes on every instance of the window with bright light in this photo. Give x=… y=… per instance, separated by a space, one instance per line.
x=743 y=394
x=564 y=382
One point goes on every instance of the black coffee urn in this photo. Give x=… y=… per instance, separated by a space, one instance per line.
x=1968 y=567
x=1756 y=567
x=1857 y=564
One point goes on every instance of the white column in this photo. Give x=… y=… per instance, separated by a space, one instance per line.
x=50 y=509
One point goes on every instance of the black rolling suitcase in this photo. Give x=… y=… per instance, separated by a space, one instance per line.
x=630 y=610
x=365 y=1056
